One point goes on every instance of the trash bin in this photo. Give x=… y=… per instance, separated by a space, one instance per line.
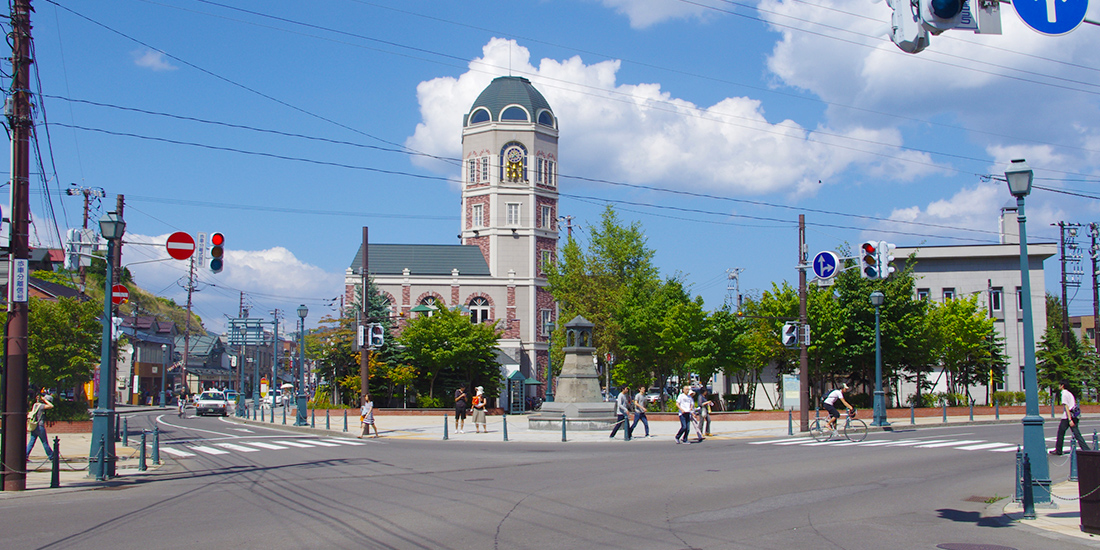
x=1088 y=482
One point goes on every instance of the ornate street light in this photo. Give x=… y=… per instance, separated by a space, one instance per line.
x=163 y=371
x=877 y=299
x=101 y=456
x=549 y=364
x=1019 y=176
x=302 y=312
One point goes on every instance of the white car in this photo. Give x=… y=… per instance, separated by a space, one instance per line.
x=274 y=398
x=211 y=402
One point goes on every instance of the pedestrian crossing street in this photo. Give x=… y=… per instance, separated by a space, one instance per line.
x=957 y=444
x=188 y=450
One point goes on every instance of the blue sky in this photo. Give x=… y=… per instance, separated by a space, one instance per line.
x=289 y=129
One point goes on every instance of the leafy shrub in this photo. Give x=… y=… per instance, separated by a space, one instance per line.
x=426 y=402
x=67 y=411
x=1009 y=397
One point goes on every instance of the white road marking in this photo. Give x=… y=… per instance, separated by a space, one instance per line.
x=176 y=452
x=208 y=450
x=238 y=448
x=298 y=444
x=985 y=446
x=949 y=444
x=347 y=441
x=263 y=445
x=321 y=443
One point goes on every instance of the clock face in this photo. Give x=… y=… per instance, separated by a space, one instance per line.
x=515 y=155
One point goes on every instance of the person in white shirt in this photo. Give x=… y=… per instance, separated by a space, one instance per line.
x=685 y=404
x=830 y=404
x=1069 y=403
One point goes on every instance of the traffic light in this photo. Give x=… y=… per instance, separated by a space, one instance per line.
x=906 y=29
x=885 y=256
x=868 y=260
x=217 y=252
x=789 y=336
x=377 y=336
x=940 y=15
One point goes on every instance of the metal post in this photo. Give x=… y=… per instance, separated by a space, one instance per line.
x=263 y=418
x=284 y=413
x=125 y=434
x=101 y=457
x=313 y=418
x=997 y=410
x=163 y=372
x=1095 y=441
x=446 y=418
x=944 y=402
x=156 y=445
x=971 y=409
x=1029 y=491
x=1072 y=458
x=879 y=419
x=302 y=401
x=504 y=418
x=103 y=415
x=1052 y=406
x=345 y=420
x=55 y=468
x=1019 y=496
x=141 y=454
x=118 y=426
x=790 y=421
x=912 y=412
x=563 y=427
x=327 y=423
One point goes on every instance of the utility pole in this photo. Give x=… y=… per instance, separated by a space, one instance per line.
x=733 y=287
x=1069 y=277
x=803 y=320
x=1094 y=252
x=15 y=373
x=275 y=357
x=88 y=192
x=184 y=388
x=568 y=224
x=364 y=354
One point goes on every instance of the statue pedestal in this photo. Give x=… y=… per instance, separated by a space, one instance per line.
x=578 y=391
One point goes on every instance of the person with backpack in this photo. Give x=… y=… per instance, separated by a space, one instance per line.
x=36 y=424
x=1071 y=417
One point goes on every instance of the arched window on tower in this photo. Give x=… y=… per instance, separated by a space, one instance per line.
x=513 y=161
x=546 y=119
x=479 y=310
x=479 y=116
x=514 y=113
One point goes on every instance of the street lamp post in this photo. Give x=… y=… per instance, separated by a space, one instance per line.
x=302 y=312
x=549 y=363
x=1019 y=176
x=163 y=371
x=877 y=299
x=111 y=226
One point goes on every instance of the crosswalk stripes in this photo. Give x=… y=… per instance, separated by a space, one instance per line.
x=251 y=446
x=959 y=444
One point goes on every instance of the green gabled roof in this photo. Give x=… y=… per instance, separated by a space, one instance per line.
x=422 y=259
x=509 y=90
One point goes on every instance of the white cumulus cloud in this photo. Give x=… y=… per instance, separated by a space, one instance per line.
x=152 y=59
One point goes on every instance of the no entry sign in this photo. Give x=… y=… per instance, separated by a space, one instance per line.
x=119 y=295
x=180 y=245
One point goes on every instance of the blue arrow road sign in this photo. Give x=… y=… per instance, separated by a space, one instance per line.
x=825 y=264
x=1052 y=17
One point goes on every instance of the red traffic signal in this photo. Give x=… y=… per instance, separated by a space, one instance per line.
x=217 y=252
x=868 y=260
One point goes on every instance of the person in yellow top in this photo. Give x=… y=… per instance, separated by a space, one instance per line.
x=479 y=403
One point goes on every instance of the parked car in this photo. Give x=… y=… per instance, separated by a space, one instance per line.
x=274 y=398
x=211 y=402
x=231 y=396
x=654 y=395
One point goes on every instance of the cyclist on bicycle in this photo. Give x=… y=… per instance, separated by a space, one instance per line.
x=830 y=406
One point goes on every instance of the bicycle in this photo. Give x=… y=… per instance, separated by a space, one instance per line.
x=854 y=429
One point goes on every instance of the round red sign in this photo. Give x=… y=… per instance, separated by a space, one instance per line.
x=119 y=295
x=180 y=245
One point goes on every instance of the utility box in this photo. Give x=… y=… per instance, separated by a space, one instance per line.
x=1088 y=483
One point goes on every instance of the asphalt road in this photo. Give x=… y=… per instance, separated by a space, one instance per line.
x=232 y=486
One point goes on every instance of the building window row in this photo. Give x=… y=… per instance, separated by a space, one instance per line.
x=544 y=171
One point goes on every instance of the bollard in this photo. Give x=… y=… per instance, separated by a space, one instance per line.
x=1029 y=495
x=313 y=418
x=790 y=421
x=118 y=427
x=563 y=427
x=328 y=426
x=55 y=468
x=446 y=419
x=262 y=413
x=272 y=410
x=1019 y=496
x=912 y=413
x=1095 y=442
x=156 y=445
x=345 y=420
x=284 y=414
x=945 y=411
x=141 y=454
x=125 y=434
x=504 y=418
x=1072 y=458
x=1052 y=407
x=971 y=409
x=817 y=412
x=997 y=410
x=101 y=459
x=255 y=407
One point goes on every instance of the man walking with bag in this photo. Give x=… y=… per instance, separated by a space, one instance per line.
x=36 y=424
x=1071 y=416
x=624 y=405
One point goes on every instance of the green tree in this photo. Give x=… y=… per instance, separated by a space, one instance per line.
x=63 y=343
x=659 y=329
x=447 y=343
x=960 y=342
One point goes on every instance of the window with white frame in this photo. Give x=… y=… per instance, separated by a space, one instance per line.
x=547 y=217
x=538 y=170
x=922 y=294
x=547 y=258
x=477 y=216
x=513 y=213
x=1019 y=299
x=948 y=294
x=479 y=310
x=995 y=299
x=484 y=169
x=471 y=171
x=549 y=177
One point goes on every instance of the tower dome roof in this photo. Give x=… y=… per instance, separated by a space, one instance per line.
x=497 y=102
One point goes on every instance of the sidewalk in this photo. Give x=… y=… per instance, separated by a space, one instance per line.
x=73 y=470
x=1064 y=519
